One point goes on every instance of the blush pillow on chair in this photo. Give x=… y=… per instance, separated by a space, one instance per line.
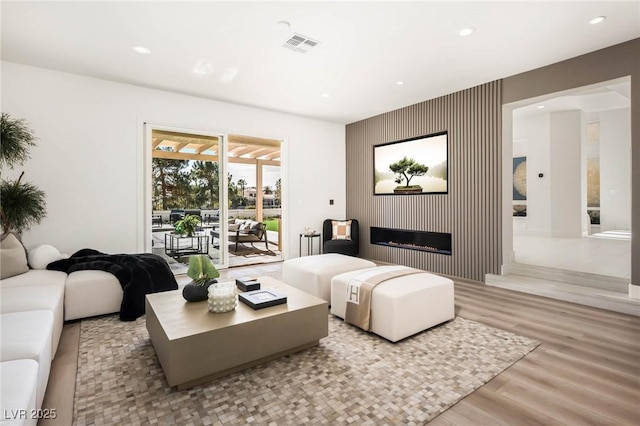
x=341 y=236
x=341 y=230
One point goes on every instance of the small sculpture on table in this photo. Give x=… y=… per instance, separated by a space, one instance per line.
x=203 y=274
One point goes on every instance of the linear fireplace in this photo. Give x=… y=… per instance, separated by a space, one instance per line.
x=434 y=242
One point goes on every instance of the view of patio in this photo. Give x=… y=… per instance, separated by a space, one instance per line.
x=186 y=182
x=176 y=250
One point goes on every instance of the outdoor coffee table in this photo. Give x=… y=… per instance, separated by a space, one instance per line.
x=195 y=346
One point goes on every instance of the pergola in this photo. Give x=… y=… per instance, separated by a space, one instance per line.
x=241 y=149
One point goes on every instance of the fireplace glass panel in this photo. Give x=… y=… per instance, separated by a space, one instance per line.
x=434 y=242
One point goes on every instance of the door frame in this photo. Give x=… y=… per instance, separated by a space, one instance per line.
x=145 y=192
x=508 y=252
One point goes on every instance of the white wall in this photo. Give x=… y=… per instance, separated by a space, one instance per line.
x=615 y=169
x=531 y=134
x=88 y=158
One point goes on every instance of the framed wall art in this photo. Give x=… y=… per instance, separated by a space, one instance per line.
x=412 y=166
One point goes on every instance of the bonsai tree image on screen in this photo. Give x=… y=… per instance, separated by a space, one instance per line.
x=407 y=169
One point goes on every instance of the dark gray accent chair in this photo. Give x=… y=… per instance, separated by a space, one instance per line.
x=348 y=247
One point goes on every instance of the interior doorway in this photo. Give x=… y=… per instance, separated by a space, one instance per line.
x=571 y=180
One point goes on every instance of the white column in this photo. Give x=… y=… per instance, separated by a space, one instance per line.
x=615 y=170
x=567 y=174
x=259 y=186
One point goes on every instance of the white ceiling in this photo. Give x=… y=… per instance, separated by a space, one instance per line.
x=365 y=47
x=603 y=97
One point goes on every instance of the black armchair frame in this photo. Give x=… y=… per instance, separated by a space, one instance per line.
x=348 y=247
x=255 y=235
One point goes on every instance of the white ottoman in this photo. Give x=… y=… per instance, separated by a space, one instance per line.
x=403 y=306
x=313 y=274
x=90 y=293
x=27 y=335
x=18 y=391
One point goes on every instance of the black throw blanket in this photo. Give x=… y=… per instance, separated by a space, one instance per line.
x=139 y=274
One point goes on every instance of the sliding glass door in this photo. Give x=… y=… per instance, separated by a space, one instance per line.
x=222 y=182
x=188 y=183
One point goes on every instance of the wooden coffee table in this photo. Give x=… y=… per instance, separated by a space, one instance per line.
x=195 y=346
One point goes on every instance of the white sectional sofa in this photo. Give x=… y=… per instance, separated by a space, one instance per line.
x=19 y=386
x=34 y=303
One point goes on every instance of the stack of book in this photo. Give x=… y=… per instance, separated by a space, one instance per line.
x=247 y=284
x=256 y=298
x=259 y=299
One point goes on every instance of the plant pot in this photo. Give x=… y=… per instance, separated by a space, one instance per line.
x=196 y=293
x=401 y=190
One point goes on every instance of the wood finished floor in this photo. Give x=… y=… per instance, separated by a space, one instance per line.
x=585 y=372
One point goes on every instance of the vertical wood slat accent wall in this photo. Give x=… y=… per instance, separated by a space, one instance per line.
x=471 y=209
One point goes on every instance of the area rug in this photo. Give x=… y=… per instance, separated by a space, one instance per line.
x=352 y=377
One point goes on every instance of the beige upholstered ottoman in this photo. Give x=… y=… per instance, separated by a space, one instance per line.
x=402 y=306
x=313 y=274
x=90 y=293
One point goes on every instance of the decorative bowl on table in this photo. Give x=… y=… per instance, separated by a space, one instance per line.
x=222 y=297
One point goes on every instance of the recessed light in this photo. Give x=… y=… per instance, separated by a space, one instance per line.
x=142 y=50
x=283 y=25
x=597 y=20
x=325 y=95
x=400 y=82
x=229 y=75
x=202 y=68
x=540 y=106
x=467 y=31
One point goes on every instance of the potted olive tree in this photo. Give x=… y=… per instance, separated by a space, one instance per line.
x=203 y=274
x=22 y=204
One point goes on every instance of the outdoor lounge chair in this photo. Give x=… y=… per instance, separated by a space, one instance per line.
x=246 y=231
x=176 y=215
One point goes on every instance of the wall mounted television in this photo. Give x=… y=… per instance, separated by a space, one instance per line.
x=412 y=166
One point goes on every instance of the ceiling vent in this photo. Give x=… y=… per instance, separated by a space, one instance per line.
x=299 y=43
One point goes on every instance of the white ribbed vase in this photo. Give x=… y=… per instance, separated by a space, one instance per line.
x=222 y=297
